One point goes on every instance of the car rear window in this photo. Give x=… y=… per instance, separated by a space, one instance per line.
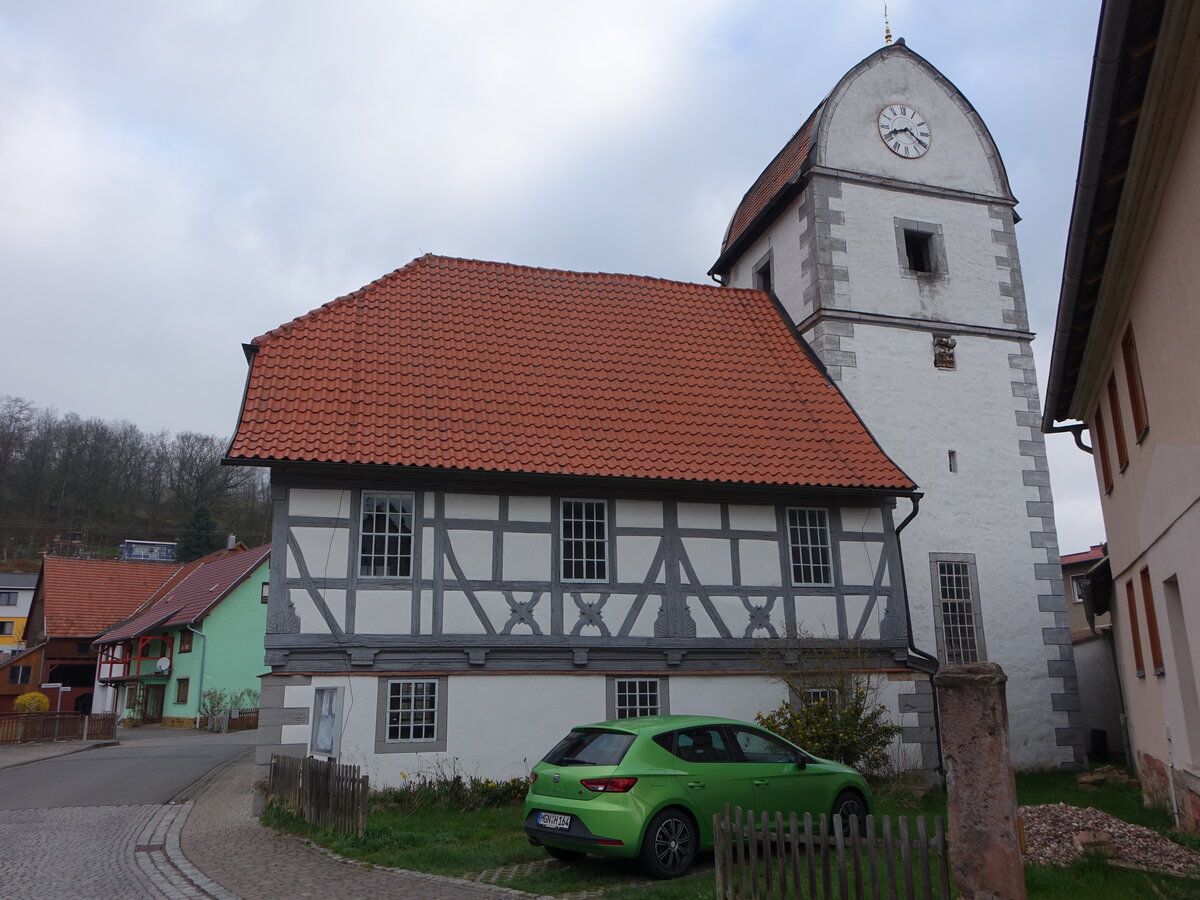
x=590 y=748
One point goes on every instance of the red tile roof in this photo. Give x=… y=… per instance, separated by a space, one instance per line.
x=778 y=174
x=469 y=365
x=1095 y=552
x=190 y=598
x=85 y=596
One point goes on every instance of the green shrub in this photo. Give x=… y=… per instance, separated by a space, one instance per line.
x=451 y=791
x=849 y=728
x=32 y=702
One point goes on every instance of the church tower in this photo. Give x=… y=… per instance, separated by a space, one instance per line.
x=885 y=230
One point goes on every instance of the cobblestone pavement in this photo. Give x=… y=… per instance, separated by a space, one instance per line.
x=227 y=845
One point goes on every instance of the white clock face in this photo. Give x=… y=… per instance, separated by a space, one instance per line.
x=904 y=130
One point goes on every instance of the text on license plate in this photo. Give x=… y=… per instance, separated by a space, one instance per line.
x=553 y=820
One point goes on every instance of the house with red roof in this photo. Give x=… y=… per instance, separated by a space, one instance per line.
x=74 y=601
x=508 y=500
x=202 y=632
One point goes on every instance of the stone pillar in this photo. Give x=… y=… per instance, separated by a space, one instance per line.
x=985 y=853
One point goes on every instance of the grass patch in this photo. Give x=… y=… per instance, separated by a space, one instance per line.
x=444 y=832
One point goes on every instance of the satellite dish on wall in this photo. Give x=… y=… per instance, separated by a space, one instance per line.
x=163 y=664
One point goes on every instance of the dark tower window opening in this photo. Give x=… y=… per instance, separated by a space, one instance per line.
x=917 y=246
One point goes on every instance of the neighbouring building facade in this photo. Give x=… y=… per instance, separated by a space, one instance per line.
x=510 y=500
x=74 y=601
x=1125 y=369
x=16 y=596
x=203 y=632
x=885 y=228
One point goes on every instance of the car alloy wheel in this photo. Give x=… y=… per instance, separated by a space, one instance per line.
x=848 y=804
x=670 y=844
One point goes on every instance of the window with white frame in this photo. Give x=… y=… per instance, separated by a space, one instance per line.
x=631 y=697
x=7 y=627
x=956 y=596
x=386 y=535
x=809 y=546
x=412 y=715
x=327 y=715
x=584 y=540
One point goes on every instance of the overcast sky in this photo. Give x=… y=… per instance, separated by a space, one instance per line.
x=178 y=178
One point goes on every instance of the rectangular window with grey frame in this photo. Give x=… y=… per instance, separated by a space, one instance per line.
x=921 y=249
x=386 y=535
x=411 y=715
x=809 y=546
x=956 y=598
x=584 y=540
x=632 y=697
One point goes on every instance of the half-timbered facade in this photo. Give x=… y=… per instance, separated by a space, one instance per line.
x=510 y=500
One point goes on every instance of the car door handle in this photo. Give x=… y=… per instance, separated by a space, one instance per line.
x=695 y=784
x=761 y=782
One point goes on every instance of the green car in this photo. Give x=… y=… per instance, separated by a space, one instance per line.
x=648 y=787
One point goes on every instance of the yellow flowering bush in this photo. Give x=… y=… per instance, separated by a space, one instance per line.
x=32 y=702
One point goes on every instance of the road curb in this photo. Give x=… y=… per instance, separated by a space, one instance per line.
x=93 y=746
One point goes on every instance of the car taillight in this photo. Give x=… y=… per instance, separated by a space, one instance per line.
x=608 y=785
x=532 y=777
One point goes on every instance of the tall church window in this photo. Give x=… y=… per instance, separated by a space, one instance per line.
x=764 y=276
x=958 y=624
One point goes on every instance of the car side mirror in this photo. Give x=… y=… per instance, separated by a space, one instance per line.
x=801 y=761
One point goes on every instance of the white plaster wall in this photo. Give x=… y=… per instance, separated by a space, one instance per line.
x=458 y=617
x=527 y=557
x=311 y=620
x=760 y=562
x=473 y=550
x=957 y=157
x=711 y=559
x=968 y=293
x=529 y=509
x=325 y=551
x=640 y=513
x=752 y=518
x=472 y=506
x=314 y=502
x=817 y=616
x=634 y=556
x=862 y=520
x=859 y=561
x=730 y=696
x=699 y=515
x=383 y=612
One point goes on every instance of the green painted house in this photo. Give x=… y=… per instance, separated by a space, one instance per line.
x=195 y=647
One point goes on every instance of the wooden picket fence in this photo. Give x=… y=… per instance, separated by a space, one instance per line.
x=31 y=728
x=759 y=857
x=321 y=792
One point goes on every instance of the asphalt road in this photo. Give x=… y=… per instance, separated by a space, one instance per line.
x=149 y=767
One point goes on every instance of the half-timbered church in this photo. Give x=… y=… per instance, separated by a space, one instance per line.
x=508 y=500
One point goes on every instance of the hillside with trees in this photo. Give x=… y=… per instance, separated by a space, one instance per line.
x=79 y=487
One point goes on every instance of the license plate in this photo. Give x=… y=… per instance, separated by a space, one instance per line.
x=553 y=820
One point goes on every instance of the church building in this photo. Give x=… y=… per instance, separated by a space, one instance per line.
x=509 y=500
x=885 y=230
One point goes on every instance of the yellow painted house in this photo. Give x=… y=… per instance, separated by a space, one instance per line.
x=16 y=593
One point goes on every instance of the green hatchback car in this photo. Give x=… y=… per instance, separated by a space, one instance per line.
x=648 y=787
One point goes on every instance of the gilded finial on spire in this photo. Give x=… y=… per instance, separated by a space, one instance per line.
x=887 y=28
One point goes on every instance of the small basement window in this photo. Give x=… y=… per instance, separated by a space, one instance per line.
x=918 y=247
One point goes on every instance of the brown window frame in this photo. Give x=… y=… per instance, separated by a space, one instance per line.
x=183 y=687
x=1156 y=654
x=1118 y=424
x=1102 y=448
x=185 y=641
x=1133 y=380
x=1135 y=631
